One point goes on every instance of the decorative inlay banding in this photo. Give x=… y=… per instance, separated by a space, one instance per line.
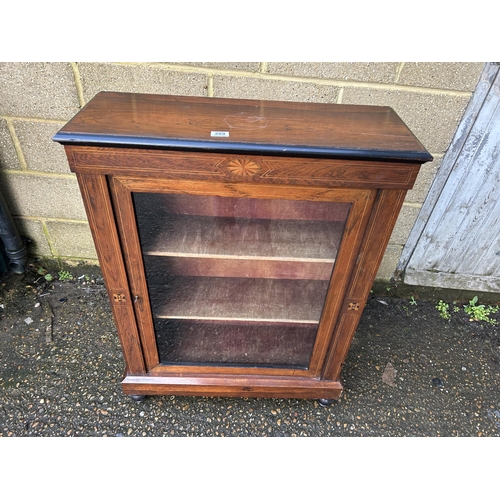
x=243 y=167
x=119 y=297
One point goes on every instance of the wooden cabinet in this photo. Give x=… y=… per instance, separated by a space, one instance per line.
x=238 y=239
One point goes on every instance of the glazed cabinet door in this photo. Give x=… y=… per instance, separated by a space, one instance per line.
x=237 y=278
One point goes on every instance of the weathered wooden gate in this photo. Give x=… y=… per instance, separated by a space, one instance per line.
x=455 y=242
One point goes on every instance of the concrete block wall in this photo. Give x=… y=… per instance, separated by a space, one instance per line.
x=36 y=99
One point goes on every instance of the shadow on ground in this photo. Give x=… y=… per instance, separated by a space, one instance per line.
x=409 y=373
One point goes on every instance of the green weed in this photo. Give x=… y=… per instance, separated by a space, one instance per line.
x=65 y=275
x=444 y=309
x=43 y=272
x=480 y=312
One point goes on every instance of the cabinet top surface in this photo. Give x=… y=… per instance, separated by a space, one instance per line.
x=237 y=125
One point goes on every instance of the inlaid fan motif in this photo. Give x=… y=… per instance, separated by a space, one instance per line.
x=244 y=167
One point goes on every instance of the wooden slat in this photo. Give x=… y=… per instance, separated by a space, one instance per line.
x=468 y=203
x=458 y=247
x=468 y=121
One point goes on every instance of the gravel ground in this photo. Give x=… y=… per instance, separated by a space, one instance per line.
x=409 y=373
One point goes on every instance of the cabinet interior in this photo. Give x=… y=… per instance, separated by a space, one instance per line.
x=237 y=281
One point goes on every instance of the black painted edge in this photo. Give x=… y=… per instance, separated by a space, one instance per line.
x=239 y=147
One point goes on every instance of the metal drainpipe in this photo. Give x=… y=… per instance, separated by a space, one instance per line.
x=14 y=247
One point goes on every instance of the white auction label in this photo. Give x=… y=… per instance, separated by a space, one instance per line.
x=219 y=133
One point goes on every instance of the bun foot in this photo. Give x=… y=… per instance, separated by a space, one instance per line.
x=137 y=397
x=326 y=402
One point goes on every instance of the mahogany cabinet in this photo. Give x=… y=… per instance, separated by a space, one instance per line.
x=238 y=239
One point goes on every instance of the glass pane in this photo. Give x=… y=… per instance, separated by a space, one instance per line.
x=237 y=281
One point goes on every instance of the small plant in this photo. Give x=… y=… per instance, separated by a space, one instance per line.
x=413 y=302
x=43 y=272
x=65 y=275
x=444 y=309
x=480 y=312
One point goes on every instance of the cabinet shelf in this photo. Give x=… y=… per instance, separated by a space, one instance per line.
x=239 y=299
x=242 y=238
